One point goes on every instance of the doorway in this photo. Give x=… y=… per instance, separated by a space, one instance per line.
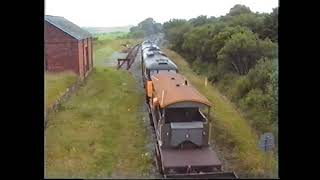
x=87 y=58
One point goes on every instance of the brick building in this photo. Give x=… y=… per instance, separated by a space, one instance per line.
x=67 y=47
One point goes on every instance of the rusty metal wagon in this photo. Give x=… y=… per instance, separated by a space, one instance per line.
x=180 y=117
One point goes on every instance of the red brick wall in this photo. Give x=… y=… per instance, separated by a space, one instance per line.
x=63 y=52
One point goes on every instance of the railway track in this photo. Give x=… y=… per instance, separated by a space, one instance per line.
x=129 y=60
x=131 y=56
x=135 y=70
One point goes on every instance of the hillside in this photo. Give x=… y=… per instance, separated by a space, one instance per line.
x=96 y=30
x=232 y=136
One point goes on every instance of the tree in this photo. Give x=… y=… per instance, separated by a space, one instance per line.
x=260 y=98
x=198 y=21
x=237 y=51
x=174 y=31
x=173 y=23
x=238 y=9
x=194 y=42
x=146 y=28
x=223 y=36
x=243 y=50
x=271 y=25
x=250 y=20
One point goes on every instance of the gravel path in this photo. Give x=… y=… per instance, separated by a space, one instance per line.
x=135 y=70
x=112 y=61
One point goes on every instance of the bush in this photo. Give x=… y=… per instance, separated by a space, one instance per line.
x=258 y=107
x=226 y=82
x=199 y=67
x=241 y=87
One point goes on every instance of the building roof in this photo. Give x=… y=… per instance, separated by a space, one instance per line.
x=68 y=27
x=170 y=88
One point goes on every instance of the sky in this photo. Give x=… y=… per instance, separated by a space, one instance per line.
x=113 y=13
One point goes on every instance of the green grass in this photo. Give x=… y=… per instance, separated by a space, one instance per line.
x=98 y=132
x=231 y=132
x=56 y=84
x=110 y=35
x=101 y=30
x=104 y=48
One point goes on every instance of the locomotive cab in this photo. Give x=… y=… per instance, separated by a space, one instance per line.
x=185 y=126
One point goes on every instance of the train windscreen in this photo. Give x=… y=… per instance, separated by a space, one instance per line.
x=157 y=71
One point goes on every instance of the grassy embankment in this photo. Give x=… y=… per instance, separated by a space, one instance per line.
x=98 y=132
x=231 y=132
x=56 y=84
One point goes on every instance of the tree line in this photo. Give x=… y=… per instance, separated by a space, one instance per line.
x=145 y=28
x=238 y=52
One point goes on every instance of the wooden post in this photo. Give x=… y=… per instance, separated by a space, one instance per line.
x=128 y=61
x=205 y=81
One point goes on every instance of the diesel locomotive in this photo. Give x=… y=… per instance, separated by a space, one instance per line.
x=180 y=117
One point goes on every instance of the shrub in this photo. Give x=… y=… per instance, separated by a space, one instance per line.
x=259 y=109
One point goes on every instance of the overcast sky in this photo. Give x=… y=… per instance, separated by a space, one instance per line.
x=110 y=13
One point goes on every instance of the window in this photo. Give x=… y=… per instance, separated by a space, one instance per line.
x=153 y=72
x=183 y=115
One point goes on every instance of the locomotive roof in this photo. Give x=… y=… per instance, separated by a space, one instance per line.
x=152 y=53
x=146 y=45
x=147 y=41
x=159 y=61
x=170 y=88
x=152 y=47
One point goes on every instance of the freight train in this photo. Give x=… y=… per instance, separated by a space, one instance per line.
x=179 y=115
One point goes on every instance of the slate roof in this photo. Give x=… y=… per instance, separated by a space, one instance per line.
x=68 y=27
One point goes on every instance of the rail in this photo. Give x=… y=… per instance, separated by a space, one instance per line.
x=130 y=57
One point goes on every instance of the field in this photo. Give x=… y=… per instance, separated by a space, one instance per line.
x=97 y=30
x=112 y=35
x=99 y=132
x=106 y=45
x=236 y=141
